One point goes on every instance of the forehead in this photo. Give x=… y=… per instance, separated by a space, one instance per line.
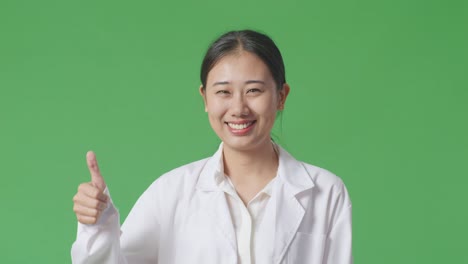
x=239 y=67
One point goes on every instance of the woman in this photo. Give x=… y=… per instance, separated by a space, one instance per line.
x=251 y=202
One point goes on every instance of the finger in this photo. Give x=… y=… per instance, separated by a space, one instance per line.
x=96 y=177
x=90 y=202
x=86 y=211
x=87 y=220
x=86 y=191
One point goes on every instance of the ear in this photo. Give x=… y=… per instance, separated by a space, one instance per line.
x=203 y=95
x=283 y=94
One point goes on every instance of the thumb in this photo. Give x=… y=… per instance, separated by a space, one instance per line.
x=96 y=178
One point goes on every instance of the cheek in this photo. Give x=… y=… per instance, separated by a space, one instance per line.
x=216 y=110
x=267 y=108
x=212 y=106
x=214 y=119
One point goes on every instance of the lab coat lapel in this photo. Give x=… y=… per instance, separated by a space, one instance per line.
x=293 y=179
x=214 y=200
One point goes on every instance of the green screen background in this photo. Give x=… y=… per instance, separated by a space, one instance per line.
x=378 y=96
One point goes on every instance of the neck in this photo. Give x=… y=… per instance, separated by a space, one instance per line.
x=251 y=166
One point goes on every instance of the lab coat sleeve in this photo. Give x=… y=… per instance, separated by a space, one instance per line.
x=99 y=243
x=105 y=243
x=339 y=241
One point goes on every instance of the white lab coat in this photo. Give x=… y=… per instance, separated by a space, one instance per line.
x=183 y=217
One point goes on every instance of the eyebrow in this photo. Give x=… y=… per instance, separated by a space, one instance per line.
x=247 y=82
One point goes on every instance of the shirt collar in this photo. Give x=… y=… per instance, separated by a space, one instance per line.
x=224 y=182
x=290 y=172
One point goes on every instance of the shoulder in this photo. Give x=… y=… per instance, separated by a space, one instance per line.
x=322 y=177
x=327 y=183
x=304 y=174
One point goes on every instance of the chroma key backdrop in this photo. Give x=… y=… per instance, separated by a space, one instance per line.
x=379 y=96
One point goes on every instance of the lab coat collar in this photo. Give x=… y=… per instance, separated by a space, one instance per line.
x=212 y=172
x=290 y=172
x=293 y=173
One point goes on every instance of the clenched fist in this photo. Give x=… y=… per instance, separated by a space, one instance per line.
x=90 y=201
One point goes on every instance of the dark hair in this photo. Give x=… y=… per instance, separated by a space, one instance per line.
x=248 y=40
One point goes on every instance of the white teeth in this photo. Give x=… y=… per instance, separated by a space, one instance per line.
x=239 y=126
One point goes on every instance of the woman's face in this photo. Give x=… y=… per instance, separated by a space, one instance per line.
x=241 y=99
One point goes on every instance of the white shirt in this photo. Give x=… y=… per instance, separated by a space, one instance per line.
x=246 y=220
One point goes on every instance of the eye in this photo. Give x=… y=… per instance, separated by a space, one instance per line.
x=222 y=92
x=254 y=90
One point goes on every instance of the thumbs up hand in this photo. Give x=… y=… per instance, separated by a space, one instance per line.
x=90 y=201
x=96 y=178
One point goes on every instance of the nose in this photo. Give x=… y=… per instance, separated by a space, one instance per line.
x=239 y=106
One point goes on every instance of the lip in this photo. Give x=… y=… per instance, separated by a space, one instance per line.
x=240 y=122
x=241 y=132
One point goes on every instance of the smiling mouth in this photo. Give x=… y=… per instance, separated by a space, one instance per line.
x=241 y=125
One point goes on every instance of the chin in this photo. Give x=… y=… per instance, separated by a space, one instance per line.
x=242 y=144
